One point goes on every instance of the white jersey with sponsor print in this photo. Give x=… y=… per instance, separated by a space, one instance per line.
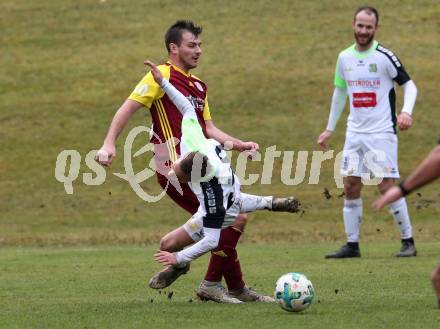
x=369 y=78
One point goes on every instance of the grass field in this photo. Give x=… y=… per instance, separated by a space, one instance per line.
x=106 y=288
x=82 y=260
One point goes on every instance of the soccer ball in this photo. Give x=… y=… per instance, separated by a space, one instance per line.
x=294 y=292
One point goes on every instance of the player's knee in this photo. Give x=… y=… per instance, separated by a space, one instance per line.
x=385 y=185
x=352 y=189
x=167 y=243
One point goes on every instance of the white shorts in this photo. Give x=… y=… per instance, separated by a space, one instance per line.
x=370 y=155
x=194 y=226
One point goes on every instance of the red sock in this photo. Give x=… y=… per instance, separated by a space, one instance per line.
x=224 y=260
x=214 y=272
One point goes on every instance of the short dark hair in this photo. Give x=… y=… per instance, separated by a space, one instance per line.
x=195 y=163
x=174 y=33
x=369 y=10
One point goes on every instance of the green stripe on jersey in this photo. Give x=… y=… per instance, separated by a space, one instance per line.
x=339 y=82
x=195 y=140
x=361 y=55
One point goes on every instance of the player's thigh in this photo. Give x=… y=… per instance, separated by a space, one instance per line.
x=352 y=187
x=176 y=240
x=186 y=200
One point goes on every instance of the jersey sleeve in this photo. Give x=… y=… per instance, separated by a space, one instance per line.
x=339 y=75
x=147 y=90
x=398 y=72
x=193 y=135
x=206 y=112
x=394 y=67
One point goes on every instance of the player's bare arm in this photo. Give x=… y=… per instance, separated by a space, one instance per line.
x=426 y=172
x=224 y=138
x=107 y=152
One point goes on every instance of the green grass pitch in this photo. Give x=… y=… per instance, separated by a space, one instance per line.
x=83 y=260
x=107 y=288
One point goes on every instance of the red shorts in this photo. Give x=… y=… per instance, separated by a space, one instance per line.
x=187 y=201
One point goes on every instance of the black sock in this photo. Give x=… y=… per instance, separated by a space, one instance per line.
x=410 y=240
x=353 y=245
x=439 y=303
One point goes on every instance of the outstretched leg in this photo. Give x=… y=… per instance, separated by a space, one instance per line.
x=250 y=202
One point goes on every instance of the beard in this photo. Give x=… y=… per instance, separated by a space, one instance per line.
x=189 y=65
x=363 y=43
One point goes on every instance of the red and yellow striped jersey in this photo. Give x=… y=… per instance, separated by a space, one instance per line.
x=167 y=119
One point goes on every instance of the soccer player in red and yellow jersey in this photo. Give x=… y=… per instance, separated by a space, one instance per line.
x=183 y=44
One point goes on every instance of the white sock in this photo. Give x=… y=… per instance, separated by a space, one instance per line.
x=399 y=210
x=352 y=214
x=251 y=202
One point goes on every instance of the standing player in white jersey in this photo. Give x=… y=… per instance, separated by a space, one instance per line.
x=203 y=164
x=366 y=72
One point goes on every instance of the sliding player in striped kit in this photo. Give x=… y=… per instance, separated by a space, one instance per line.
x=203 y=164
x=366 y=72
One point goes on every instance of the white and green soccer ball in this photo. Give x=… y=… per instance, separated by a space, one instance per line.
x=294 y=292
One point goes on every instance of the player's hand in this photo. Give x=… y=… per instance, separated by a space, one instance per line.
x=326 y=134
x=105 y=155
x=249 y=148
x=165 y=258
x=404 y=120
x=391 y=195
x=157 y=75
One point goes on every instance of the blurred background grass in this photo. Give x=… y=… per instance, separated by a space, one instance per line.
x=68 y=65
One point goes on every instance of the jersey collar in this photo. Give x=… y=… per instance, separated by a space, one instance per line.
x=178 y=69
x=363 y=54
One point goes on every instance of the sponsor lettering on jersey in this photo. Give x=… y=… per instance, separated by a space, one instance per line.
x=364 y=100
x=198 y=103
x=371 y=83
